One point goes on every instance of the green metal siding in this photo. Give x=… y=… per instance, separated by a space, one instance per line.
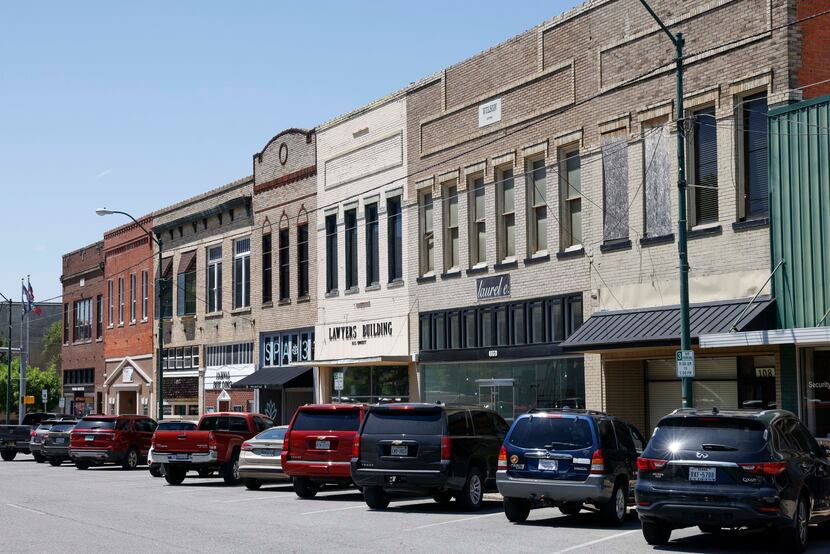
x=799 y=173
x=789 y=379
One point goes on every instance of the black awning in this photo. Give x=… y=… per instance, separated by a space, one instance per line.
x=277 y=377
x=661 y=326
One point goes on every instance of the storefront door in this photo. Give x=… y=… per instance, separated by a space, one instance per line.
x=498 y=395
x=127 y=403
x=816 y=391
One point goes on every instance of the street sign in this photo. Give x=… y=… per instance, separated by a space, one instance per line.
x=338 y=381
x=44 y=394
x=62 y=402
x=685 y=360
x=29 y=399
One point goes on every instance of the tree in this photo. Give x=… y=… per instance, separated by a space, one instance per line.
x=52 y=343
x=36 y=381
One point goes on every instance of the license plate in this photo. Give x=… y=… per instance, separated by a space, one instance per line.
x=394 y=480
x=59 y=440
x=180 y=457
x=323 y=445
x=548 y=465
x=271 y=452
x=399 y=451
x=89 y=438
x=708 y=474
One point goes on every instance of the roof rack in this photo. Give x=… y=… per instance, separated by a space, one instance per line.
x=566 y=409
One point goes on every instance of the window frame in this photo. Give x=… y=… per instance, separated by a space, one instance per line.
x=426 y=232
x=242 y=264
x=133 y=298
x=302 y=261
x=111 y=302
x=452 y=235
x=394 y=238
x=330 y=230
x=569 y=205
x=350 y=247
x=372 y=243
x=477 y=221
x=145 y=294
x=534 y=207
x=505 y=216
x=284 y=240
x=744 y=199
x=120 y=301
x=692 y=169
x=267 y=269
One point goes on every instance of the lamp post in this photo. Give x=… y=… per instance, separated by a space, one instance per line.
x=9 y=380
x=159 y=369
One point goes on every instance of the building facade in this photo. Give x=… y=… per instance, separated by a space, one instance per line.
x=129 y=382
x=82 y=353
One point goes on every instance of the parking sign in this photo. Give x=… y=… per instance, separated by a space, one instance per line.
x=338 y=381
x=685 y=363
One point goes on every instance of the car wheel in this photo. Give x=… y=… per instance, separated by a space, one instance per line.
x=174 y=475
x=571 y=508
x=304 y=487
x=39 y=458
x=8 y=455
x=155 y=470
x=55 y=462
x=231 y=472
x=516 y=509
x=130 y=460
x=613 y=512
x=794 y=537
x=252 y=484
x=442 y=497
x=82 y=465
x=472 y=494
x=376 y=498
x=656 y=534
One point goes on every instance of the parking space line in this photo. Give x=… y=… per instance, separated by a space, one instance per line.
x=455 y=521
x=333 y=510
x=27 y=509
x=596 y=541
x=268 y=497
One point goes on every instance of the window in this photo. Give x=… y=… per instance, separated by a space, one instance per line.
x=350 y=221
x=133 y=297
x=372 y=256
x=478 y=225
x=704 y=179
x=331 y=253
x=302 y=260
x=394 y=238
x=571 y=198
x=110 y=302
x=267 y=295
x=242 y=273
x=166 y=284
x=427 y=242
x=121 y=301
x=753 y=140
x=285 y=283
x=451 y=227
x=99 y=316
x=615 y=187
x=506 y=203
x=537 y=207
x=145 y=294
x=229 y=354
x=214 y=279
x=657 y=196
x=66 y=338
x=82 y=320
x=186 y=285
x=182 y=357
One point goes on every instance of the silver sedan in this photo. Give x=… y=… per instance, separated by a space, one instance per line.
x=259 y=459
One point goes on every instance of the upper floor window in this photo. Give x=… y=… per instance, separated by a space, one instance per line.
x=350 y=224
x=427 y=242
x=110 y=304
x=166 y=284
x=242 y=273
x=394 y=238
x=229 y=354
x=267 y=295
x=99 y=316
x=331 y=253
x=615 y=187
x=121 y=301
x=186 y=285
x=285 y=283
x=478 y=223
x=506 y=203
x=302 y=260
x=214 y=279
x=754 y=184
x=657 y=193
x=537 y=207
x=450 y=198
x=133 y=298
x=703 y=182
x=82 y=312
x=570 y=187
x=372 y=255
x=145 y=294
x=183 y=357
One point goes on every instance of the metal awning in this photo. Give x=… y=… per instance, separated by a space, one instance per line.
x=660 y=326
x=804 y=336
x=273 y=377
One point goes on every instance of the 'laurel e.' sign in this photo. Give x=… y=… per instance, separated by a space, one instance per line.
x=492 y=287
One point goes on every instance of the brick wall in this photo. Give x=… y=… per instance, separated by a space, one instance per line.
x=814 y=48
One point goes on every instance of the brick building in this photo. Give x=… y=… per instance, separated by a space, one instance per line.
x=209 y=334
x=82 y=353
x=129 y=382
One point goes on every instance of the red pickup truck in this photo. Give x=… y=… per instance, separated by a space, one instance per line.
x=214 y=445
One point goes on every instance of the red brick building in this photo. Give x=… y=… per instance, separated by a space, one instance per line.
x=129 y=383
x=82 y=353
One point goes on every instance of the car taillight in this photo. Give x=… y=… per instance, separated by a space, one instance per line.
x=285 y=444
x=247 y=447
x=45 y=436
x=211 y=441
x=502 y=458
x=32 y=434
x=446 y=447
x=767 y=468
x=106 y=436
x=598 y=463
x=356 y=446
x=650 y=464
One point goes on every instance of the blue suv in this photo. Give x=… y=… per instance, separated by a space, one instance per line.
x=568 y=458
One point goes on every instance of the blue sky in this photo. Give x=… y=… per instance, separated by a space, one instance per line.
x=138 y=105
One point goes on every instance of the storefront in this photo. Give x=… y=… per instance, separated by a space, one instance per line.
x=128 y=388
x=79 y=392
x=225 y=365
x=505 y=356
x=181 y=381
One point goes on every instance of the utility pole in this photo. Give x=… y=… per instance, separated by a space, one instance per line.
x=9 y=353
x=159 y=354
x=682 y=249
x=21 y=410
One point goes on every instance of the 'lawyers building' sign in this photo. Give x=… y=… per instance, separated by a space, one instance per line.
x=497 y=286
x=367 y=338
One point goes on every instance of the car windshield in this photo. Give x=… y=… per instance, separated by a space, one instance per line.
x=175 y=426
x=409 y=422
x=62 y=427
x=552 y=433
x=712 y=434
x=272 y=434
x=327 y=420
x=96 y=424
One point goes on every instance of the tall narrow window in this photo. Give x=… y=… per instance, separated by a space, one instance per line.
x=394 y=238
x=704 y=189
x=571 y=198
x=450 y=199
x=145 y=294
x=242 y=273
x=331 y=253
x=133 y=298
x=537 y=207
x=285 y=283
x=427 y=241
x=66 y=338
x=82 y=319
x=754 y=204
x=186 y=285
x=214 y=279
x=350 y=224
x=267 y=282
x=121 y=301
x=615 y=187
x=110 y=304
x=372 y=258
x=478 y=223
x=657 y=196
x=99 y=316
x=302 y=260
x=166 y=284
x=507 y=213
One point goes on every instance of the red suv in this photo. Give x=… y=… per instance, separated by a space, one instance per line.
x=318 y=445
x=101 y=439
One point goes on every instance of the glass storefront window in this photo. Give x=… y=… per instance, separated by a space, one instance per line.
x=372 y=383
x=455 y=330
x=816 y=391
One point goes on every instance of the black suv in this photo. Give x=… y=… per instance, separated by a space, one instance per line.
x=440 y=450
x=568 y=458
x=730 y=469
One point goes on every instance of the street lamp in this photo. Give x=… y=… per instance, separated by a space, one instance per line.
x=9 y=381
x=159 y=370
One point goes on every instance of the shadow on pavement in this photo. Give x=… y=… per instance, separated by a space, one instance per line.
x=345 y=496
x=728 y=542
x=582 y=520
x=429 y=506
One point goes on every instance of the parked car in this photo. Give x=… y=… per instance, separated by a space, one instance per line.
x=318 y=446
x=214 y=446
x=260 y=458
x=730 y=469
x=569 y=458
x=15 y=438
x=102 y=439
x=444 y=451
x=36 y=439
x=168 y=425
x=56 y=442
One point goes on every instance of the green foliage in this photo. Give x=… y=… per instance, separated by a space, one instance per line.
x=36 y=381
x=52 y=342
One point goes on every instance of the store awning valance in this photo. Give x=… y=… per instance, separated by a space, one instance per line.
x=660 y=326
x=275 y=377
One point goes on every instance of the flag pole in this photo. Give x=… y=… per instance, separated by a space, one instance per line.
x=21 y=407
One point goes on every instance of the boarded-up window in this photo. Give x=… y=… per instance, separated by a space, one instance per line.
x=657 y=207
x=615 y=184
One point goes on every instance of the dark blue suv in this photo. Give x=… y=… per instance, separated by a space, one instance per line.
x=568 y=458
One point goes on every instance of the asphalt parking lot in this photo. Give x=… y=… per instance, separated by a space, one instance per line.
x=43 y=508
